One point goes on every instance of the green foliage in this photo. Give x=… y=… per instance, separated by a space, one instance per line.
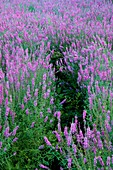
x=31 y=8
x=68 y=88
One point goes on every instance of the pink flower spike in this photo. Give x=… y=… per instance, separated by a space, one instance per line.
x=1 y=94
x=58 y=115
x=43 y=166
x=32 y=125
x=15 y=139
x=47 y=141
x=69 y=162
x=84 y=114
x=1 y=75
x=0 y=145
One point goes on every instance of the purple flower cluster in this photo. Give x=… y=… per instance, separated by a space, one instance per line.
x=27 y=80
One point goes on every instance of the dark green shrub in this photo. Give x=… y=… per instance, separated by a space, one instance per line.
x=68 y=89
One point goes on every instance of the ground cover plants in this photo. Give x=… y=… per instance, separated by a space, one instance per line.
x=56 y=90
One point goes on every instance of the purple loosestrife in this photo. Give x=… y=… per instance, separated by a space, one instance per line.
x=6 y=132
x=100 y=160
x=47 y=141
x=69 y=140
x=46 y=118
x=25 y=99
x=61 y=168
x=58 y=115
x=112 y=159
x=41 y=114
x=84 y=114
x=52 y=100
x=66 y=132
x=48 y=110
x=32 y=125
x=22 y=106
x=0 y=145
x=43 y=166
x=107 y=125
x=73 y=128
x=14 y=131
x=95 y=161
x=7 y=111
x=86 y=143
x=69 y=163
x=59 y=127
x=57 y=136
x=35 y=103
x=1 y=94
x=91 y=102
x=63 y=101
x=74 y=148
x=100 y=144
x=27 y=111
x=36 y=93
x=0 y=127
x=85 y=160
x=15 y=139
x=88 y=133
x=108 y=161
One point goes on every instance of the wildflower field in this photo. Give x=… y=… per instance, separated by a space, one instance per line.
x=56 y=90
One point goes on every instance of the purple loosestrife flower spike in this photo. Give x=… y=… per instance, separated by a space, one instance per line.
x=47 y=141
x=43 y=166
x=59 y=127
x=27 y=111
x=100 y=145
x=73 y=128
x=32 y=125
x=55 y=114
x=14 y=131
x=84 y=114
x=41 y=114
x=58 y=115
x=85 y=160
x=6 y=133
x=86 y=143
x=100 y=160
x=48 y=110
x=112 y=159
x=46 y=118
x=1 y=94
x=95 y=161
x=69 y=162
x=61 y=150
x=88 y=133
x=36 y=93
x=57 y=136
x=22 y=106
x=1 y=75
x=61 y=168
x=0 y=127
x=0 y=145
x=15 y=139
x=52 y=101
x=41 y=147
x=108 y=161
x=14 y=153
x=35 y=103
x=69 y=140
x=74 y=148
x=65 y=132
x=63 y=101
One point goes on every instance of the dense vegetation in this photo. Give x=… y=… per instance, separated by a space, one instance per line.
x=56 y=91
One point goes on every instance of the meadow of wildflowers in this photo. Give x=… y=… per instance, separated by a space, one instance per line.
x=56 y=90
